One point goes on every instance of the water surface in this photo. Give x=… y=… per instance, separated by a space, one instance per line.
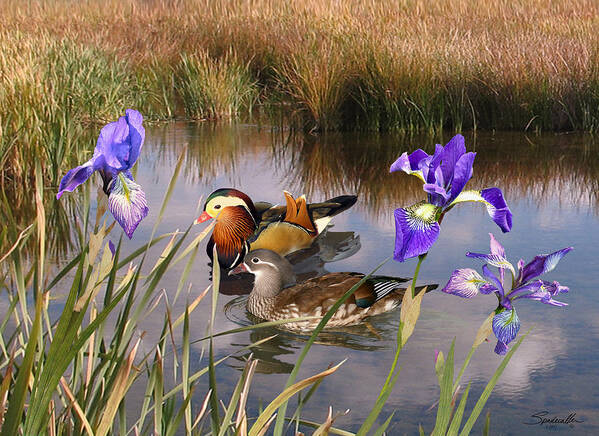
x=550 y=183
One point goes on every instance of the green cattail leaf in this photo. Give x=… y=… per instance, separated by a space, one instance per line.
x=457 y=417
x=478 y=407
x=445 y=408
x=12 y=419
x=284 y=396
x=381 y=430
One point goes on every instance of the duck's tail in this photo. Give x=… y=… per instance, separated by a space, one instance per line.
x=382 y=286
x=322 y=213
x=332 y=207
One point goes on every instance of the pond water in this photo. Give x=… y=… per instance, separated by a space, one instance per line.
x=550 y=183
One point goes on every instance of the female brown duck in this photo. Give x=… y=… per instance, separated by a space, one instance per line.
x=242 y=226
x=276 y=296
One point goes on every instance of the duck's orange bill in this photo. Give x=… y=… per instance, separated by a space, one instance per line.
x=238 y=269
x=202 y=218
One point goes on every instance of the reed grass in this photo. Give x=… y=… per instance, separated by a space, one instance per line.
x=415 y=65
x=212 y=89
x=73 y=375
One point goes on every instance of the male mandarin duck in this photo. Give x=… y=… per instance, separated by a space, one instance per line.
x=276 y=295
x=242 y=226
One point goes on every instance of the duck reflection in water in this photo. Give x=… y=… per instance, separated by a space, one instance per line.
x=271 y=355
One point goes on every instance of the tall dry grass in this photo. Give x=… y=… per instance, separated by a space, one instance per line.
x=497 y=64
x=212 y=88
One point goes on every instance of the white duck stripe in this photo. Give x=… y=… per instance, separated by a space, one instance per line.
x=322 y=223
x=236 y=258
x=267 y=263
x=381 y=289
x=260 y=261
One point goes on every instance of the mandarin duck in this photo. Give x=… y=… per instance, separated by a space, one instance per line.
x=242 y=226
x=276 y=295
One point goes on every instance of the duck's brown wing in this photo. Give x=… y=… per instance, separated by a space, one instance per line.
x=376 y=288
x=282 y=238
x=295 y=232
x=272 y=213
x=324 y=291
x=317 y=295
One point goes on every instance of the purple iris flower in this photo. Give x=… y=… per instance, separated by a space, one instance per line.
x=116 y=152
x=467 y=283
x=445 y=174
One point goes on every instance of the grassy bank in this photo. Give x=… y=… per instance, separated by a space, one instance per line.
x=324 y=65
x=457 y=64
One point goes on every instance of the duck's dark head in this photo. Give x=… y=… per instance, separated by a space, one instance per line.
x=272 y=272
x=223 y=198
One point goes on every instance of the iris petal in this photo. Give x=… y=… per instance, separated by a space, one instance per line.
x=498 y=208
x=113 y=144
x=462 y=173
x=542 y=264
x=493 y=199
x=75 y=177
x=544 y=297
x=416 y=230
x=119 y=142
x=540 y=290
x=500 y=348
x=554 y=288
x=429 y=165
x=487 y=289
x=506 y=325
x=453 y=151
x=493 y=278
x=437 y=194
x=410 y=164
x=111 y=247
x=465 y=283
x=137 y=134
x=127 y=202
x=494 y=260
x=527 y=287
x=496 y=247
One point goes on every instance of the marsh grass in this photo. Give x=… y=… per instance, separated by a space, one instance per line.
x=215 y=88
x=317 y=83
x=454 y=64
x=49 y=92
x=53 y=94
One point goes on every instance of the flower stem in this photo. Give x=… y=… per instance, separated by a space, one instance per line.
x=416 y=272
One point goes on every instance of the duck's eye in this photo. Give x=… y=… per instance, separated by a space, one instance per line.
x=255 y=260
x=217 y=206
